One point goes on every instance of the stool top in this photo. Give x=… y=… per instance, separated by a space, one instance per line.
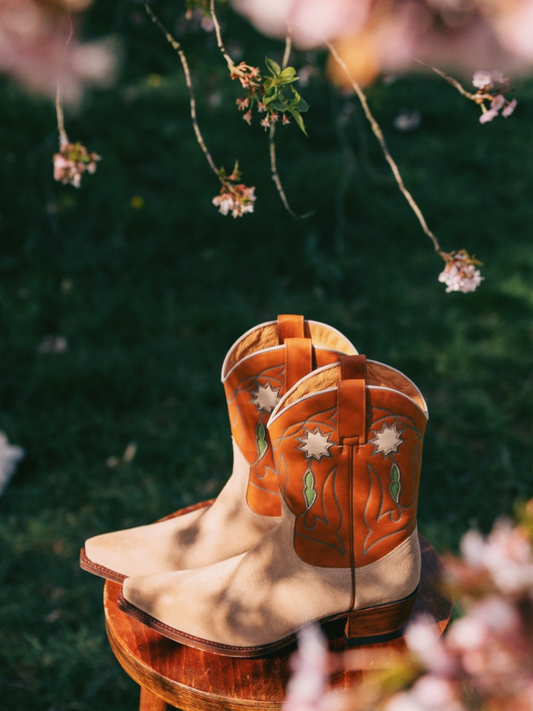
x=193 y=680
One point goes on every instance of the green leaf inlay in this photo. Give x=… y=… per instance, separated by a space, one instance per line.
x=262 y=444
x=395 y=484
x=309 y=491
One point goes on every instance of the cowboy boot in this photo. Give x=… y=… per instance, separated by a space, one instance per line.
x=259 y=368
x=347 y=444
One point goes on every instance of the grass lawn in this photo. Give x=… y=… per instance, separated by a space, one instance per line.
x=151 y=297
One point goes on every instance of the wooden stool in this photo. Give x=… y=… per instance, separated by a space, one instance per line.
x=174 y=676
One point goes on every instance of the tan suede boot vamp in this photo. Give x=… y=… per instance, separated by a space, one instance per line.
x=265 y=595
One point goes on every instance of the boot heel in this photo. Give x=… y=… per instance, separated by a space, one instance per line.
x=381 y=623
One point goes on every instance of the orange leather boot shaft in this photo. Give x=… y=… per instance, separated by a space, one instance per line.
x=258 y=371
x=347 y=443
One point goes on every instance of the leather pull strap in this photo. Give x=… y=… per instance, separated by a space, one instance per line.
x=298 y=360
x=351 y=400
x=290 y=326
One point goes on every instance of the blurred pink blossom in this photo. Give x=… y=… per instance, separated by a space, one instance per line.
x=429 y=693
x=307 y=687
x=37 y=50
x=424 y=642
x=482 y=79
x=10 y=455
x=310 y=22
x=407 y=120
x=490 y=644
x=382 y=37
x=485 y=117
x=505 y=555
x=508 y=110
x=498 y=102
x=53 y=344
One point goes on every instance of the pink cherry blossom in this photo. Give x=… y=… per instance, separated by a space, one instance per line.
x=508 y=110
x=243 y=103
x=488 y=115
x=237 y=199
x=482 y=79
x=497 y=102
x=460 y=273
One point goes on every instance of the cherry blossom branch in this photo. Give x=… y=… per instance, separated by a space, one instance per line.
x=192 y=101
x=234 y=197
x=457 y=85
x=376 y=129
x=491 y=87
x=240 y=72
x=277 y=179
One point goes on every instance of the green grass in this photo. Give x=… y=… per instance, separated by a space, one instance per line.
x=159 y=294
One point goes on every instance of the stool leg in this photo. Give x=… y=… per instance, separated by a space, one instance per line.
x=151 y=702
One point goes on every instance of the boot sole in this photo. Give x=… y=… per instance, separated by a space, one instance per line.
x=369 y=625
x=101 y=571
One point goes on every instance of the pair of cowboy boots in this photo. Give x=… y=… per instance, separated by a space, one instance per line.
x=318 y=519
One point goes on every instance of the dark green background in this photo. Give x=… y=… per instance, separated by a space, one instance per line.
x=160 y=293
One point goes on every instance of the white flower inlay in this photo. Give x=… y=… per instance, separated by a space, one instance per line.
x=315 y=444
x=387 y=440
x=265 y=397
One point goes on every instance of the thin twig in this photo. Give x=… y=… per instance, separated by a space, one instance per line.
x=287 y=52
x=229 y=60
x=272 y=147
x=275 y=174
x=381 y=140
x=63 y=138
x=177 y=47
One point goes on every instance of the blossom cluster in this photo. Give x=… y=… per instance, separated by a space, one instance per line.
x=460 y=272
x=491 y=86
x=485 y=659
x=250 y=79
x=274 y=95
x=235 y=199
x=72 y=161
